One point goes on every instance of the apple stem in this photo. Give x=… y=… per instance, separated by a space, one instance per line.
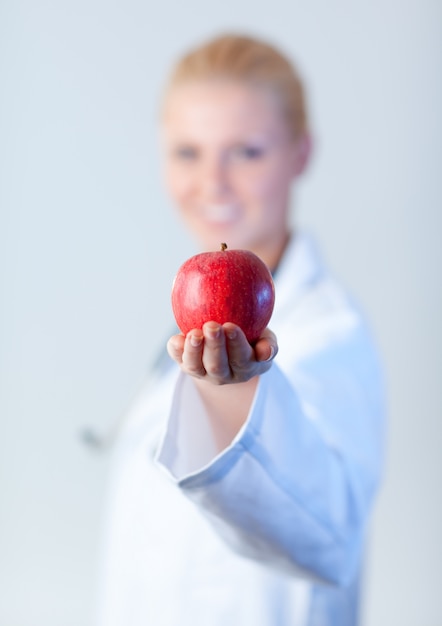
x=223 y=247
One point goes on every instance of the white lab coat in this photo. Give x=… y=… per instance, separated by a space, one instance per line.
x=271 y=531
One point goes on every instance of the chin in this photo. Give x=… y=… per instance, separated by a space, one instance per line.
x=212 y=237
x=233 y=242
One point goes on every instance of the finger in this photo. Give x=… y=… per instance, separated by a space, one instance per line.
x=175 y=347
x=239 y=350
x=215 y=358
x=193 y=353
x=266 y=348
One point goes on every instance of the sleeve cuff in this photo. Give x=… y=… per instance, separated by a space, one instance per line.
x=187 y=451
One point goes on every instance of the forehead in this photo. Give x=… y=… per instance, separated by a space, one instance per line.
x=221 y=108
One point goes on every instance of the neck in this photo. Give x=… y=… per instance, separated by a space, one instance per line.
x=272 y=253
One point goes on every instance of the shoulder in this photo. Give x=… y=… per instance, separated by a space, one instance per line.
x=315 y=314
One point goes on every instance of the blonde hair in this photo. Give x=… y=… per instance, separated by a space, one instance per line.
x=249 y=60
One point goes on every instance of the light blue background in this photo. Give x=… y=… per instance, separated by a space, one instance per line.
x=89 y=246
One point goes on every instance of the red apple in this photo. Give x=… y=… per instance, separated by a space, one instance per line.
x=224 y=286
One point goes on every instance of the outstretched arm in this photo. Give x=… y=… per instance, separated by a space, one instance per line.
x=290 y=490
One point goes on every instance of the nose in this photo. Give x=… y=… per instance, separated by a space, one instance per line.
x=215 y=180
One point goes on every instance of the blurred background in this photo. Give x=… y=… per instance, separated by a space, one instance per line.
x=89 y=246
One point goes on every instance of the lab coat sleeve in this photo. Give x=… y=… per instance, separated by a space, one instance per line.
x=295 y=488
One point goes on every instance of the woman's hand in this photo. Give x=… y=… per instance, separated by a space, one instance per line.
x=221 y=354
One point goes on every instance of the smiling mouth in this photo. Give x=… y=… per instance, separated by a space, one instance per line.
x=219 y=213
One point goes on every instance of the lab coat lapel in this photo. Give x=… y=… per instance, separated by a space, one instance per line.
x=299 y=269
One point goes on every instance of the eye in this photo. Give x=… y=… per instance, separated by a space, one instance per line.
x=248 y=152
x=185 y=153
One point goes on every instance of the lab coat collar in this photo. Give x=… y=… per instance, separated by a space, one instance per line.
x=300 y=267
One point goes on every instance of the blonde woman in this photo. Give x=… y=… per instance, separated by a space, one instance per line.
x=244 y=476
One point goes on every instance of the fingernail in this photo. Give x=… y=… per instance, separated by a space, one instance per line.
x=272 y=354
x=231 y=334
x=214 y=331
x=195 y=341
